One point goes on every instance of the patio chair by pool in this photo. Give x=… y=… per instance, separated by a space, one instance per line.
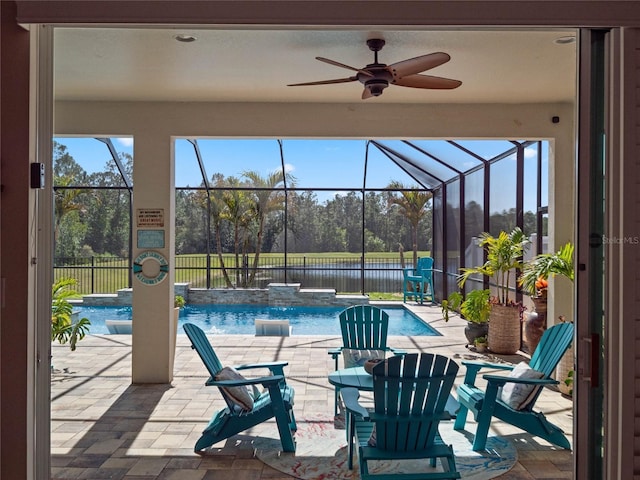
x=246 y=405
x=364 y=331
x=418 y=282
x=520 y=390
x=409 y=398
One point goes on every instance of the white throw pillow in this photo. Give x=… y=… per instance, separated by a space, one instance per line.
x=355 y=357
x=518 y=395
x=241 y=396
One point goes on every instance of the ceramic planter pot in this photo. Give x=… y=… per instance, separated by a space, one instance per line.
x=474 y=330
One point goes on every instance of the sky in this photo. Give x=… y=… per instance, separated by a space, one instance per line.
x=313 y=163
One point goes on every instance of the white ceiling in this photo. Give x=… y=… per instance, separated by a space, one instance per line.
x=495 y=66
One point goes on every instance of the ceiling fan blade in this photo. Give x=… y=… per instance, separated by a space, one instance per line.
x=417 y=64
x=338 y=64
x=324 y=82
x=427 y=81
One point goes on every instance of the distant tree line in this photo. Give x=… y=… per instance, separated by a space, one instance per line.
x=246 y=215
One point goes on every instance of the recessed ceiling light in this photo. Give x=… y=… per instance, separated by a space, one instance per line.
x=566 y=40
x=185 y=38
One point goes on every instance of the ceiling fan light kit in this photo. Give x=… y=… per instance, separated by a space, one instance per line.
x=377 y=76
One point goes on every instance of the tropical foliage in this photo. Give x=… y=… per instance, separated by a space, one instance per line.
x=504 y=255
x=178 y=301
x=413 y=205
x=241 y=215
x=63 y=328
x=536 y=271
x=475 y=307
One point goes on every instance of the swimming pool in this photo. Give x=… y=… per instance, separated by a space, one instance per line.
x=239 y=319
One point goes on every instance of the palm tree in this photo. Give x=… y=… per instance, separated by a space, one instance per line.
x=266 y=200
x=66 y=200
x=413 y=205
x=237 y=210
x=215 y=200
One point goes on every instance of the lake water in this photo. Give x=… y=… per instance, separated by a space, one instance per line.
x=239 y=319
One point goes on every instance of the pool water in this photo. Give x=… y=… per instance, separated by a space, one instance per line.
x=239 y=319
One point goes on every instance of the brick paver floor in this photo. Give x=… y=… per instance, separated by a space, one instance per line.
x=102 y=426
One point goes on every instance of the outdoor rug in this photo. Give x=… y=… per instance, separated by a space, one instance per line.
x=321 y=453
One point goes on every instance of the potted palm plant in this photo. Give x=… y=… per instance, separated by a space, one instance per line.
x=504 y=257
x=537 y=271
x=533 y=280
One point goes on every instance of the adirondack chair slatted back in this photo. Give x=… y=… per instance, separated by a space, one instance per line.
x=200 y=344
x=424 y=263
x=554 y=343
x=364 y=327
x=410 y=395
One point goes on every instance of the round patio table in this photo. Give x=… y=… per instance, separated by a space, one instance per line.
x=357 y=377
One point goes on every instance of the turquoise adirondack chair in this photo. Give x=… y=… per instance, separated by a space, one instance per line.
x=409 y=399
x=275 y=401
x=364 y=329
x=488 y=404
x=418 y=282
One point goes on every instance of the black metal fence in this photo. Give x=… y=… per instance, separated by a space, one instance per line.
x=344 y=274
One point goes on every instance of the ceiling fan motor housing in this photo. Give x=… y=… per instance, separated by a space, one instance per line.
x=378 y=81
x=376 y=86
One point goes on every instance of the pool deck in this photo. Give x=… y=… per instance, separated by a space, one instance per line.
x=102 y=426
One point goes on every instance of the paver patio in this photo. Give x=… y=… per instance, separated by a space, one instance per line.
x=102 y=426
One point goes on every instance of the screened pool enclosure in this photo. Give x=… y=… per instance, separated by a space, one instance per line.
x=342 y=214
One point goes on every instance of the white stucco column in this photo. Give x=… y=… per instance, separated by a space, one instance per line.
x=153 y=242
x=562 y=208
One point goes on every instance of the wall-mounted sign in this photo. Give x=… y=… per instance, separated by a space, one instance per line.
x=150 y=239
x=150 y=217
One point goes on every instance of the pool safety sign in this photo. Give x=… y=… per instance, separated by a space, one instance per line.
x=150 y=267
x=150 y=217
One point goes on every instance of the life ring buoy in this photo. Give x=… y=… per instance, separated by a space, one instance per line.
x=145 y=270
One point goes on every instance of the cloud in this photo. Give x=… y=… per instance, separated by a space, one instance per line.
x=288 y=168
x=125 y=141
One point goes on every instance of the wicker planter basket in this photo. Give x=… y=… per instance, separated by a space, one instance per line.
x=562 y=371
x=504 y=329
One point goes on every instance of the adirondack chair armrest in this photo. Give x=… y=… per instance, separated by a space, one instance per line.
x=474 y=367
x=265 y=381
x=335 y=353
x=397 y=351
x=276 y=368
x=350 y=398
x=501 y=380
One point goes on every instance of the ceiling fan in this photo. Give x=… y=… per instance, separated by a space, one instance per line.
x=377 y=76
